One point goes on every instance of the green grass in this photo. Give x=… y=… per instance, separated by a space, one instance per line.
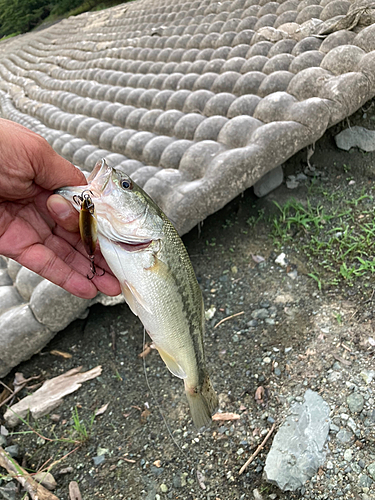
x=336 y=236
x=81 y=429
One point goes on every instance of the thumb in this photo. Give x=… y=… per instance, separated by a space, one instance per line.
x=63 y=212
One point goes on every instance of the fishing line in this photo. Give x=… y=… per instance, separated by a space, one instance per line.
x=155 y=400
x=147 y=381
x=194 y=460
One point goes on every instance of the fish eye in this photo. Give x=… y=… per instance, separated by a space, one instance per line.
x=126 y=184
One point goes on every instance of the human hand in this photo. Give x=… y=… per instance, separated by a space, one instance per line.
x=38 y=230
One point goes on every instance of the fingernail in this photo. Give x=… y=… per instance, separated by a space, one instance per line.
x=60 y=207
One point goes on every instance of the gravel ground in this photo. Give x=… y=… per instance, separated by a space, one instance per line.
x=288 y=336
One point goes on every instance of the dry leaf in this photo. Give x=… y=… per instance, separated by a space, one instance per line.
x=225 y=416
x=257 y=258
x=259 y=395
x=63 y=354
x=146 y=350
x=50 y=395
x=101 y=410
x=201 y=480
x=145 y=414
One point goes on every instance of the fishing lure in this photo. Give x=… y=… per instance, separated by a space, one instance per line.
x=87 y=227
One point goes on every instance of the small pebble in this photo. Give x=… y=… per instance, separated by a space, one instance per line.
x=367 y=376
x=364 y=481
x=355 y=402
x=344 y=436
x=371 y=470
x=260 y=314
x=13 y=450
x=163 y=488
x=98 y=460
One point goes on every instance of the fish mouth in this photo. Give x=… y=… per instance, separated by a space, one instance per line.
x=99 y=179
x=133 y=247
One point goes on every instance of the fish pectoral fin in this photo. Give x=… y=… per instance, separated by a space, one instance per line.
x=133 y=298
x=171 y=363
x=129 y=297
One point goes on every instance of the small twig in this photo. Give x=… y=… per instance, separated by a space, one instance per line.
x=352 y=316
x=35 y=490
x=229 y=317
x=6 y=387
x=113 y=337
x=146 y=350
x=258 y=450
x=17 y=389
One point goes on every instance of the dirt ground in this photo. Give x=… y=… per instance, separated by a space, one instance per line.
x=150 y=447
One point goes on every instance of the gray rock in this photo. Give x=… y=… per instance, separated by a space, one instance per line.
x=298 y=448
x=356 y=137
x=334 y=429
x=344 y=436
x=21 y=336
x=257 y=495
x=270 y=181
x=13 y=450
x=364 y=481
x=371 y=470
x=9 y=297
x=13 y=268
x=8 y=492
x=368 y=375
x=5 y=279
x=98 y=460
x=334 y=377
x=260 y=314
x=3 y=262
x=55 y=307
x=355 y=402
x=26 y=281
x=106 y=300
x=176 y=481
x=3 y=440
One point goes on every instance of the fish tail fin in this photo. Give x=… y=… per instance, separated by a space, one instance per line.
x=203 y=402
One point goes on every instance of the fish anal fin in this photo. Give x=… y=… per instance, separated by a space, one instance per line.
x=171 y=363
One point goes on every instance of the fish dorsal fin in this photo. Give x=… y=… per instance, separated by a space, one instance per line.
x=171 y=363
x=133 y=298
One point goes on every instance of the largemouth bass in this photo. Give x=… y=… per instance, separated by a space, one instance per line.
x=147 y=256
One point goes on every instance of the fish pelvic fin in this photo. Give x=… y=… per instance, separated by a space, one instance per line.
x=203 y=403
